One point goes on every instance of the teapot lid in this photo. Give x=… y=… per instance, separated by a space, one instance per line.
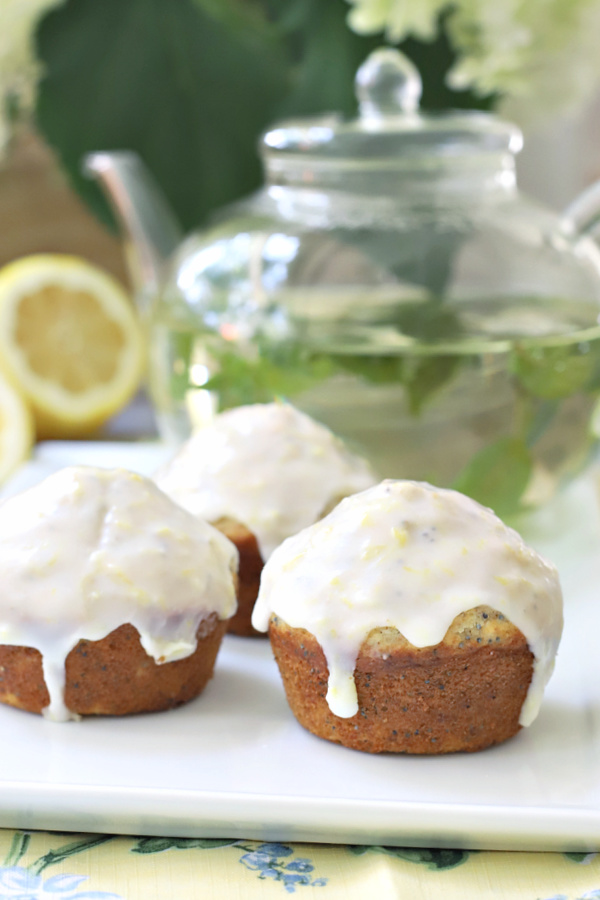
x=389 y=125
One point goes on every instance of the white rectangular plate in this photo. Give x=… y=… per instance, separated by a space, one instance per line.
x=234 y=763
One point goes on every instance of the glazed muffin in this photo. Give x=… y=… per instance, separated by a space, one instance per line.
x=261 y=473
x=114 y=599
x=411 y=620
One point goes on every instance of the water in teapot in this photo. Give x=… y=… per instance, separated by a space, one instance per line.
x=391 y=281
x=500 y=408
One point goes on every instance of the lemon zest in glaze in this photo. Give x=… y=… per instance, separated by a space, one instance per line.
x=401 y=535
x=101 y=578
x=419 y=588
x=268 y=466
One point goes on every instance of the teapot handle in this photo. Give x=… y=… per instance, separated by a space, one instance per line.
x=582 y=216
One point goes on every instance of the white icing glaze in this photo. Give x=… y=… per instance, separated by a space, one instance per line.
x=411 y=556
x=88 y=550
x=268 y=466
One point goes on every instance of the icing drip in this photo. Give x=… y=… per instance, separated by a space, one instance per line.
x=89 y=550
x=411 y=556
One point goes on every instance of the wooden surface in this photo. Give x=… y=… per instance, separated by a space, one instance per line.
x=40 y=213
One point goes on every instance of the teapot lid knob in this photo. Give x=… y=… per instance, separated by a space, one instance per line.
x=387 y=83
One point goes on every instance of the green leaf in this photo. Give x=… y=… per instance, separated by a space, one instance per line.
x=52 y=857
x=159 y=845
x=240 y=380
x=188 y=84
x=375 y=369
x=431 y=322
x=541 y=420
x=579 y=857
x=432 y=859
x=434 y=59
x=424 y=376
x=18 y=848
x=498 y=475
x=154 y=845
x=242 y=16
x=325 y=55
x=554 y=372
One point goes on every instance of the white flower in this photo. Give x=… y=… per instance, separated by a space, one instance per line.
x=19 y=69
x=540 y=56
x=398 y=18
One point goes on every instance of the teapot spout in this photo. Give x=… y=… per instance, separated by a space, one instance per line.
x=150 y=228
x=582 y=216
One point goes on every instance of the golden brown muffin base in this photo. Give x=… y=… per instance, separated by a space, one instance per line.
x=113 y=676
x=464 y=694
x=249 y=572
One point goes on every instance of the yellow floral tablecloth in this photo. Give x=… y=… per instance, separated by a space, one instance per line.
x=55 y=866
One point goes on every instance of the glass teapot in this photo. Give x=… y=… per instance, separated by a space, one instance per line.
x=392 y=282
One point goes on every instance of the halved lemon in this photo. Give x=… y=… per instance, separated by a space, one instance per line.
x=16 y=429
x=70 y=342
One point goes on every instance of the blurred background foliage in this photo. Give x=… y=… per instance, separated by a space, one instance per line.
x=191 y=84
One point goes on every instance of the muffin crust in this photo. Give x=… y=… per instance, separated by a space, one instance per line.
x=113 y=676
x=260 y=473
x=249 y=572
x=107 y=584
x=464 y=694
